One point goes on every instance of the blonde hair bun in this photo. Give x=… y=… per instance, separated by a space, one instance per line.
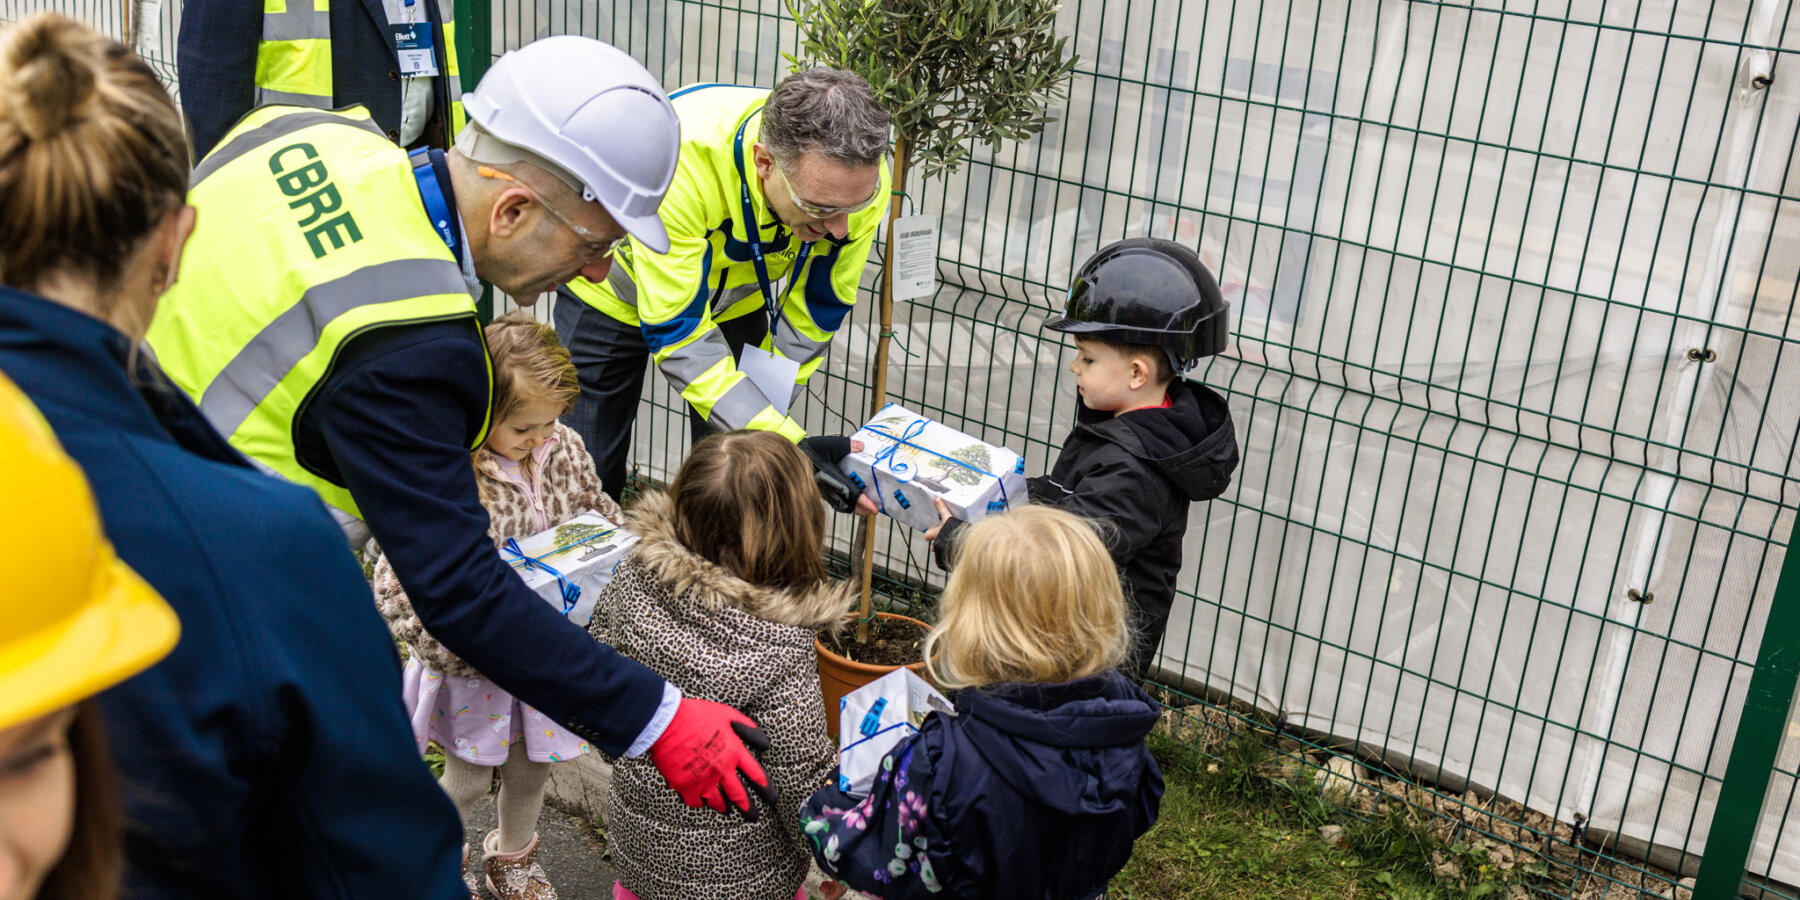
x=46 y=82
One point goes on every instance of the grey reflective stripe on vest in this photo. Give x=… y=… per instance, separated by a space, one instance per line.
x=684 y=364
x=265 y=97
x=623 y=287
x=626 y=290
x=269 y=132
x=256 y=369
x=301 y=21
x=794 y=344
x=730 y=296
x=743 y=402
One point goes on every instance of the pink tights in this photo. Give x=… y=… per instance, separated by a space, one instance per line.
x=620 y=892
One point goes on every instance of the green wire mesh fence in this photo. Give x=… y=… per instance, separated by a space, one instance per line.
x=1511 y=287
x=1513 y=292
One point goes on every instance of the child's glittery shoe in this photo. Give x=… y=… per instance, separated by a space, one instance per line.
x=469 y=878
x=515 y=876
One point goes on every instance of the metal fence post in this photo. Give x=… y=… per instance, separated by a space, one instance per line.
x=1758 y=740
x=474 y=50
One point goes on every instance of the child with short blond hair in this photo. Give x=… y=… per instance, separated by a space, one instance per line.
x=1040 y=782
x=533 y=473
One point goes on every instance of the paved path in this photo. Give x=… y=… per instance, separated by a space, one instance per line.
x=570 y=852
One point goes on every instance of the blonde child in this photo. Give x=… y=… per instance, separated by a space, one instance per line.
x=533 y=473
x=723 y=597
x=1040 y=782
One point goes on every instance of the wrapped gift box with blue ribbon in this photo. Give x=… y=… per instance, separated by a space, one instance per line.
x=569 y=564
x=874 y=717
x=907 y=459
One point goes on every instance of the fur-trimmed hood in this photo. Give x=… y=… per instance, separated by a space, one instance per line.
x=668 y=561
x=717 y=637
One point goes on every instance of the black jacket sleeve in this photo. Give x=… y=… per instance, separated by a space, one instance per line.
x=1108 y=490
x=944 y=548
x=397 y=415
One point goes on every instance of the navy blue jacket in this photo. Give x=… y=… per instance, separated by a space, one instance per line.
x=393 y=422
x=1033 y=791
x=216 y=55
x=269 y=755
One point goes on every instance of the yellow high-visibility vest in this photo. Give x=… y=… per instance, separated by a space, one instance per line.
x=677 y=299
x=293 y=60
x=310 y=232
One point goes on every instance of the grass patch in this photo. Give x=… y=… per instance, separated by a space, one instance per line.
x=1234 y=826
x=434 y=759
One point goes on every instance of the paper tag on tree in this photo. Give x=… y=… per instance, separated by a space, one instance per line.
x=149 y=26
x=915 y=257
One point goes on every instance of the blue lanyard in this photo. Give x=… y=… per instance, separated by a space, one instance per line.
x=433 y=194
x=753 y=237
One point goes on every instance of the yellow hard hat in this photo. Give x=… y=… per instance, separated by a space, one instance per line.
x=74 y=620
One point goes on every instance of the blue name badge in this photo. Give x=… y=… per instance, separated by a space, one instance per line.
x=413 y=42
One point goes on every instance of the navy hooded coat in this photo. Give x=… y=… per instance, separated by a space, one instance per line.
x=1032 y=791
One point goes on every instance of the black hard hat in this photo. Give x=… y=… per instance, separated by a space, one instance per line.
x=1149 y=291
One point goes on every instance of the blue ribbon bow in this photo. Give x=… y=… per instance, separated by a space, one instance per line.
x=886 y=456
x=570 y=591
x=900 y=469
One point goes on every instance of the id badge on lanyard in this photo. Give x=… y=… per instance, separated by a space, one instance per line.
x=773 y=374
x=417 y=48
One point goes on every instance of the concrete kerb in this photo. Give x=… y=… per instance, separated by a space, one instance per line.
x=580 y=785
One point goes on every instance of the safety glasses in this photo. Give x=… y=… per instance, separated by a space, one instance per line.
x=822 y=212
x=594 y=248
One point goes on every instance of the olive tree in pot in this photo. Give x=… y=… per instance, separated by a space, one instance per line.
x=949 y=74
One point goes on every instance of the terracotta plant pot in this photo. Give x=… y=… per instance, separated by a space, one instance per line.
x=839 y=676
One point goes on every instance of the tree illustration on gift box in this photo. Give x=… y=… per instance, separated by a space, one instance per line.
x=572 y=533
x=976 y=461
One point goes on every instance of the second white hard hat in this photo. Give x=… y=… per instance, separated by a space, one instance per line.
x=590 y=109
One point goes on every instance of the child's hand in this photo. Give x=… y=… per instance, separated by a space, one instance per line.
x=831 y=889
x=943 y=517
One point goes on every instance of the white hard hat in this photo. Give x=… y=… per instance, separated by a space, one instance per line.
x=591 y=110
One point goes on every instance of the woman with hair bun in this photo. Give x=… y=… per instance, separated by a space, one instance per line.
x=263 y=757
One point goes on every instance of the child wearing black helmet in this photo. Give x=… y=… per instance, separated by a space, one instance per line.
x=1146 y=442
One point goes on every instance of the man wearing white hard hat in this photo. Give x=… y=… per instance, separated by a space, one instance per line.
x=323 y=320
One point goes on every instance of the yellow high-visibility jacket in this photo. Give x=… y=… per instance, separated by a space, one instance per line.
x=310 y=232
x=708 y=276
x=293 y=59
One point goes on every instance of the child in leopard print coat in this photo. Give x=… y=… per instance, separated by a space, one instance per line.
x=723 y=597
x=533 y=473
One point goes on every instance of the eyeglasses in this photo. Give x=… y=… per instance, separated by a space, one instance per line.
x=594 y=248
x=822 y=212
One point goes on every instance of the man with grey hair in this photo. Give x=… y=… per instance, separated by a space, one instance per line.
x=770 y=217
